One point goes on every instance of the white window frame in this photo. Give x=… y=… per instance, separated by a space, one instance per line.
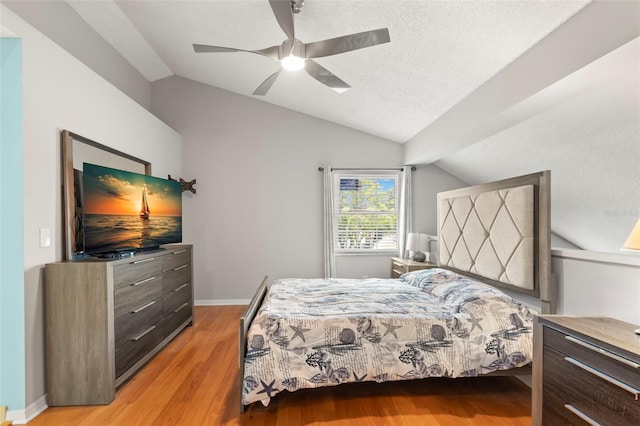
x=365 y=174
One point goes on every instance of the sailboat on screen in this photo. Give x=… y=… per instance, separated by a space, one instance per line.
x=144 y=208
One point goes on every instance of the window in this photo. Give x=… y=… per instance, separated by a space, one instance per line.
x=366 y=212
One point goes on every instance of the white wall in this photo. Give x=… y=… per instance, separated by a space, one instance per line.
x=258 y=210
x=59 y=92
x=598 y=284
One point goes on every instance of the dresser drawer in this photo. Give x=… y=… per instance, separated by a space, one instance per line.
x=557 y=412
x=614 y=365
x=588 y=391
x=173 y=319
x=175 y=259
x=177 y=297
x=140 y=319
x=134 y=350
x=133 y=296
x=176 y=277
x=136 y=271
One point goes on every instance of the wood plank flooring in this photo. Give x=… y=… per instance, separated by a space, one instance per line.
x=194 y=381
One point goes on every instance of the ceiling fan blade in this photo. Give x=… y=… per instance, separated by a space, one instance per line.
x=325 y=76
x=333 y=46
x=269 y=52
x=266 y=85
x=284 y=15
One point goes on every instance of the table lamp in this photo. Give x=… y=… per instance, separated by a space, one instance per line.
x=633 y=241
x=418 y=244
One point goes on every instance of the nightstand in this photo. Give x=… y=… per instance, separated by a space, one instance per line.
x=399 y=266
x=586 y=370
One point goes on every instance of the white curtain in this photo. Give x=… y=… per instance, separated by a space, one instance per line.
x=405 y=221
x=329 y=246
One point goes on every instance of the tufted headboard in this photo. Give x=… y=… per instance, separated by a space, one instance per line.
x=499 y=233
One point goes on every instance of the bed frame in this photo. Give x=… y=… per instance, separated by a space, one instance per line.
x=541 y=285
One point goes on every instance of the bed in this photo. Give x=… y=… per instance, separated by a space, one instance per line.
x=451 y=321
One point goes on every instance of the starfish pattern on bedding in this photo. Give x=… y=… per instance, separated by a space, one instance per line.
x=475 y=322
x=267 y=388
x=358 y=379
x=391 y=329
x=299 y=331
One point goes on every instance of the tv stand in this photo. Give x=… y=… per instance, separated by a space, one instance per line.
x=105 y=318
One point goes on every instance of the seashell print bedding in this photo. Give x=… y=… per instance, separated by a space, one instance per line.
x=430 y=323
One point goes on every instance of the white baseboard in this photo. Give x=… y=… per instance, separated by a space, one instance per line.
x=221 y=302
x=22 y=417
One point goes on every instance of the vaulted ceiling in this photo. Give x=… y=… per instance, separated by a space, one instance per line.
x=483 y=89
x=440 y=51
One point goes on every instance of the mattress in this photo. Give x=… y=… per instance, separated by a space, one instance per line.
x=431 y=323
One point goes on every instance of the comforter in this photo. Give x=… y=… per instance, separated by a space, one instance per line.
x=430 y=323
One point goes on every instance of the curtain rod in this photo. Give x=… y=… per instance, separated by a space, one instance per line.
x=400 y=169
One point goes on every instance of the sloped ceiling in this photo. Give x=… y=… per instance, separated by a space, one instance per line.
x=585 y=129
x=485 y=89
x=440 y=51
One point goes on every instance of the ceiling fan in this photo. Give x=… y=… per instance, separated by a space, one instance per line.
x=294 y=54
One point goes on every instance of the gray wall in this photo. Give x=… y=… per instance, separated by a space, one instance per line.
x=258 y=209
x=428 y=180
x=63 y=25
x=59 y=92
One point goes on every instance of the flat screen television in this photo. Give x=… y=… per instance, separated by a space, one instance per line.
x=125 y=211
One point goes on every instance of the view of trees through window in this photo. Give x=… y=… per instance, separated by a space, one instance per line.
x=366 y=213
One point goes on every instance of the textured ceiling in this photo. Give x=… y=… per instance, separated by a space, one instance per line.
x=440 y=51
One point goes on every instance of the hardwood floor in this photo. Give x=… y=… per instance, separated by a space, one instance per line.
x=194 y=381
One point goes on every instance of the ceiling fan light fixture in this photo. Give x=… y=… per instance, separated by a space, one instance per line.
x=292 y=63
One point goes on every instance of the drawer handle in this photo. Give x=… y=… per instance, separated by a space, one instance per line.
x=181 y=307
x=143 y=260
x=144 y=333
x=181 y=287
x=180 y=267
x=179 y=251
x=580 y=414
x=143 y=281
x=635 y=392
x=143 y=307
x=602 y=351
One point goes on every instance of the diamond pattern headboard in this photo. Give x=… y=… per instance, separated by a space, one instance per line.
x=499 y=233
x=490 y=234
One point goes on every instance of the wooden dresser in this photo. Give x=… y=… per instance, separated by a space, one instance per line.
x=586 y=371
x=107 y=318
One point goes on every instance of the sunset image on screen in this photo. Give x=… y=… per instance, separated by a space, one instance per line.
x=116 y=192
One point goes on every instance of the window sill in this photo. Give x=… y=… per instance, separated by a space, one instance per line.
x=369 y=253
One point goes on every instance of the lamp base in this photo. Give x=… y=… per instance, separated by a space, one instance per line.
x=419 y=256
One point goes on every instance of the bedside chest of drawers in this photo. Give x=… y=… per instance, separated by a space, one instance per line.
x=399 y=266
x=585 y=371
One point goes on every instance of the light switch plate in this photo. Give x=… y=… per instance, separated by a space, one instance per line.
x=45 y=237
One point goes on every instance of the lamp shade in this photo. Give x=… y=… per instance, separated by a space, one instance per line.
x=633 y=241
x=412 y=241
x=423 y=242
